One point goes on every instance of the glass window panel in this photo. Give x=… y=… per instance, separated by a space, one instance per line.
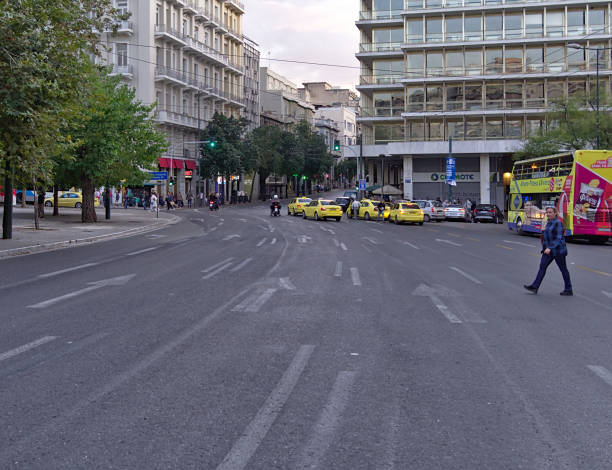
x=534 y=94
x=554 y=23
x=434 y=64
x=470 y=3
x=396 y=35
x=380 y=36
x=414 y=64
x=493 y=2
x=414 y=4
x=433 y=3
x=514 y=128
x=603 y=57
x=473 y=62
x=416 y=99
x=576 y=88
x=513 y=25
x=495 y=128
x=493 y=27
x=414 y=28
x=435 y=98
x=597 y=21
x=576 y=59
x=382 y=104
x=382 y=134
x=398 y=133
x=473 y=128
x=454 y=63
x=454 y=97
x=494 y=61
x=514 y=94
x=381 y=5
x=455 y=129
x=533 y=25
x=555 y=59
x=576 y=20
x=454 y=29
x=514 y=60
x=473 y=28
x=495 y=95
x=435 y=130
x=397 y=5
x=534 y=125
x=417 y=130
x=433 y=29
x=454 y=3
x=555 y=90
x=473 y=97
x=397 y=103
x=534 y=59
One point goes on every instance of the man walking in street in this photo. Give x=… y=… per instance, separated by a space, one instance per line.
x=381 y=211
x=355 y=209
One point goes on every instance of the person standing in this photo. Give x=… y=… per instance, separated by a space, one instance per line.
x=553 y=249
x=355 y=209
x=381 y=211
x=201 y=198
x=189 y=199
x=179 y=200
x=153 y=201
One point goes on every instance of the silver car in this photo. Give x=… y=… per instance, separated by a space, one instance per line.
x=432 y=210
x=457 y=212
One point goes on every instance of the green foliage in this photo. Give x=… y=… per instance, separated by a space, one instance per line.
x=572 y=126
x=347 y=168
x=225 y=157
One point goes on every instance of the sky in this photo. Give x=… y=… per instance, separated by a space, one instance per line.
x=320 y=31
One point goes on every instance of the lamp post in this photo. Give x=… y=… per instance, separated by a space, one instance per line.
x=597 y=49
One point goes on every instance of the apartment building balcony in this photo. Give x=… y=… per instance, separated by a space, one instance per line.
x=163 y=31
x=235 y=67
x=233 y=33
x=418 y=7
x=190 y=8
x=203 y=14
x=122 y=27
x=125 y=71
x=235 y=5
x=170 y=75
x=212 y=54
x=171 y=118
x=381 y=82
x=219 y=25
x=237 y=100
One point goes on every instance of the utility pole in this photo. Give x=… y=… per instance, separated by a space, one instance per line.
x=7 y=217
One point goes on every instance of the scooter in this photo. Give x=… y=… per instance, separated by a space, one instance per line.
x=213 y=206
x=276 y=210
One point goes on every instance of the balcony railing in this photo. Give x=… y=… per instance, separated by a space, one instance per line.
x=124 y=26
x=178 y=119
x=126 y=70
x=161 y=71
x=237 y=4
x=380 y=15
x=162 y=29
x=380 y=47
x=380 y=79
x=412 y=5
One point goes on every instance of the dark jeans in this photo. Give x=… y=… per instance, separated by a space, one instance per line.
x=561 y=262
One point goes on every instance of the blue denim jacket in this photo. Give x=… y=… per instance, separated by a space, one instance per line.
x=552 y=238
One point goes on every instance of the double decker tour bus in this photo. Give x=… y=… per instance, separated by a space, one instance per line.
x=578 y=184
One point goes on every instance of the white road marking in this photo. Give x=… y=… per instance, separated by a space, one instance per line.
x=336 y=242
x=241 y=265
x=331 y=231
x=216 y=271
x=326 y=426
x=411 y=245
x=355 y=277
x=153 y=237
x=229 y=237
x=366 y=248
x=210 y=268
x=447 y=241
x=466 y=275
x=243 y=220
x=343 y=246
x=273 y=242
x=116 y=281
x=262 y=241
x=607 y=294
x=304 y=238
x=520 y=243
x=67 y=270
x=450 y=316
x=338 y=272
x=376 y=230
x=259 y=301
x=142 y=251
x=26 y=347
x=603 y=373
x=371 y=240
x=213 y=229
x=286 y=283
x=243 y=449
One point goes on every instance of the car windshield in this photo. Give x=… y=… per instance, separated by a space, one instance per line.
x=304 y=200
x=342 y=200
x=421 y=203
x=437 y=203
x=410 y=206
x=455 y=206
x=327 y=203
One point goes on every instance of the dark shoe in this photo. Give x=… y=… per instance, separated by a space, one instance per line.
x=531 y=288
x=566 y=292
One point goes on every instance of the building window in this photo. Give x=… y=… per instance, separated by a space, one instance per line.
x=534 y=126
x=576 y=21
x=534 y=59
x=473 y=28
x=434 y=64
x=416 y=99
x=555 y=90
x=473 y=128
x=513 y=25
x=494 y=93
x=158 y=15
x=513 y=58
x=454 y=63
x=455 y=129
x=473 y=97
x=554 y=23
x=514 y=128
x=122 y=54
x=435 y=97
x=597 y=21
x=493 y=26
x=514 y=95
x=416 y=130
x=534 y=27
x=414 y=64
x=433 y=32
x=576 y=60
x=454 y=97
x=453 y=27
x=387 y=39
x=494 y=61
x=414 y=30
x=555 y=59
x=473 y=62
x=435 y=130
x=534 y=94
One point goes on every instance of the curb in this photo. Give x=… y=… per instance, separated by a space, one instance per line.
x=45 y=247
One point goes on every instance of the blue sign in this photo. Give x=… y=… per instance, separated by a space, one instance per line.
x=362 y=185
x=158 y=175
x=451 y=163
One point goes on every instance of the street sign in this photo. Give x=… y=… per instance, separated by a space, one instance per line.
x=158 y=175
x=450 y=171
x=362 y=185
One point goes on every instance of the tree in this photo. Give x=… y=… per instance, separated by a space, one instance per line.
x=317 y=159
x=114 y=139
x=44 y=49
x=572 y=126
x=266 y=152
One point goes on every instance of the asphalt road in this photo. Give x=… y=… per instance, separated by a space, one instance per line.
x=236 y=340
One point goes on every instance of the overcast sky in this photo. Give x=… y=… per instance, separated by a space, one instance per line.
x=321 y=31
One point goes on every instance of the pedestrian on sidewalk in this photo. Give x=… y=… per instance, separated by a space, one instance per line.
x=179 y=200
x=189 y=199
x=553 y=249
x=201 y=197
x=153 y=202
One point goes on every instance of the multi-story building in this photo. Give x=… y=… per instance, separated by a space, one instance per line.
x=480 y=72
x=346 y=120
x=187 y=56
x=324 y=94
x=251 y=82
x=281 y=104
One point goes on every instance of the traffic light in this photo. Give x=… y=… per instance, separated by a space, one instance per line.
x=212 y=144
x=336 y=145
x=171 y=181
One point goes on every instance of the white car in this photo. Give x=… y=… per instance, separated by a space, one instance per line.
x=432 y=210
x=457 y=212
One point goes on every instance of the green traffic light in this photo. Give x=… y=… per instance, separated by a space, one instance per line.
x=336 y=145
x=212 y=144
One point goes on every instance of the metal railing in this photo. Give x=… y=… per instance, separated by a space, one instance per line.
x=175 y=33
x=126 y=69
x=380 y=47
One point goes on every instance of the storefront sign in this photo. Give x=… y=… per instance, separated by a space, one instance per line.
x=451 y=164
x=158 y=175
x=441 y=177
x=188 y=173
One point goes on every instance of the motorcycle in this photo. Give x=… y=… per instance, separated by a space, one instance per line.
x=213 y=206
x=275 y=212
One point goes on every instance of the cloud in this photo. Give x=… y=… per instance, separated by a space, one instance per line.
x=315 y=31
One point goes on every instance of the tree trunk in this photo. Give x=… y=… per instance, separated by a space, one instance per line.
x=252 y=186
x=7 y=215
x=36 y=213
x=23 y=197
x=262 y=186
x=88 y=211
x=55 y=200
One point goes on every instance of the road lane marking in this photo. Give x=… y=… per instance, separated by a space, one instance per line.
x=520 y=243
x=366 y=248
x=376 y=230
x=67 y=270
x=503 y=246
x=229 y=237
x=329 y=419
x=241 y=265
x=603 y=373
x=450 y=316
x=411 y=245
x=607 y=294
x=304 y=238
x=473 y=239
x=371 y=240
x=591 y=270
x=210 y=268
x=455 y=235
x=263 y=240
x=216 y=271
x=355 y=277
x=273 y=242
x=466 y=275
x=255 y=301
x=243 y=220
x=115 y=281
x=343 y=246
x=447 y=241
x=336 y=242
x=26 y=347
x=286 y=283
x=153 y=237
x=338 y=272
x=213 y=229
x=142 y=251
x=243 y=449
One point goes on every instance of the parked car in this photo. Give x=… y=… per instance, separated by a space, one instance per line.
x=343 y=202
x=457 y=212
x=432 y=210
x=488 y=213
x=406 y=212
x=69 y=199
x=369 y=210
x=322 y=209
x=297 y=204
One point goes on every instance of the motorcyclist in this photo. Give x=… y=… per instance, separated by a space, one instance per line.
x=212 y=199
x=275 y=203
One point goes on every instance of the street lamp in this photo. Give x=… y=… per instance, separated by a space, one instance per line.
x=586 y=48
x=382 y=188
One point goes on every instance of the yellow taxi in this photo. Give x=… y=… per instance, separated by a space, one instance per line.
x=369 y=210
x=406 y=212
x=322 y=209
x=69 y=199
x=297 y=204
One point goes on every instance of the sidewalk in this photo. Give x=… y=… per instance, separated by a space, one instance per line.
x=66 y=230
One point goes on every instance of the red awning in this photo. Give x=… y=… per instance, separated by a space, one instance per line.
x=190 y=164
x=164 y=162
x=177 y=163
